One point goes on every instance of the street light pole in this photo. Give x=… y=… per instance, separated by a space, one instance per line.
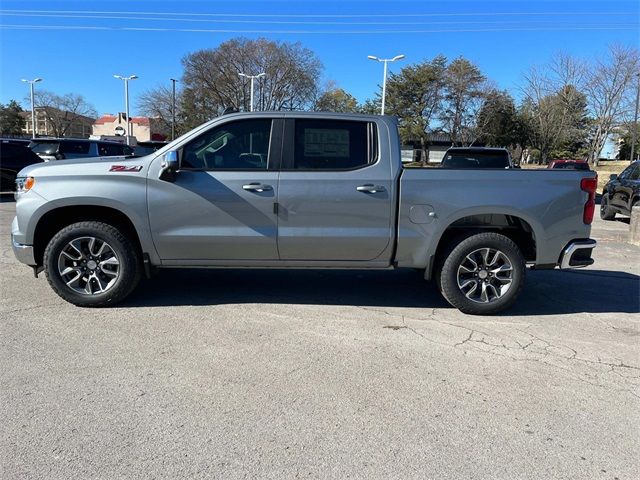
x=126 y=101
x=173 y=109
x=33 y=106
x=634 y=133
x=252 y=78
x=384 y=76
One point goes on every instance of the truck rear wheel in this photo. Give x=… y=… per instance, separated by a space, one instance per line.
x=483 y=274
x=92 y=264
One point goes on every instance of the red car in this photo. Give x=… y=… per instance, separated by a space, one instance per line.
x=569 y=164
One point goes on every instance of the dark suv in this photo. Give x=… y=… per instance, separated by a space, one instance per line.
x=621 y=193
x=65 y=148
x=13 y=158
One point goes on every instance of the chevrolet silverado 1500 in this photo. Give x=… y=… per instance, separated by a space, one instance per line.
x=311 y=190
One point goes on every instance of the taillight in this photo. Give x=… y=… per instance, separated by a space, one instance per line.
x=590 y=186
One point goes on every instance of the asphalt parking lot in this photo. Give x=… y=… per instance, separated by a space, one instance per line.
x=323 y=374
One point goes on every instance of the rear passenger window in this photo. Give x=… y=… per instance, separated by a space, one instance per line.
x=333 y=145
x=74 y=148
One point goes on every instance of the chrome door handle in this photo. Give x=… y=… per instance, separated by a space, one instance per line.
x=257 y=187
x=370 y=188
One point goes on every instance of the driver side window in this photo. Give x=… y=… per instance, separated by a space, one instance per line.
x=241 y=145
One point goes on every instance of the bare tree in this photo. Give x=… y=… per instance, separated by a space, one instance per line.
x=609 y=88
x=158 y=103
x=212 y=83
x=553 y=103
x=62 y=111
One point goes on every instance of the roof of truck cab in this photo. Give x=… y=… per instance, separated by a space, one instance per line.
x=477 y=149
x=285 y=114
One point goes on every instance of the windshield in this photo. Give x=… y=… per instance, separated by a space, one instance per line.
x=45 y=148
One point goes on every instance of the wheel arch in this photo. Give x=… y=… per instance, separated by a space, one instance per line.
x=57 y=218
x=523 y=231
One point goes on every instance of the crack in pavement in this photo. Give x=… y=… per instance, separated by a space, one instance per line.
x=536 y=349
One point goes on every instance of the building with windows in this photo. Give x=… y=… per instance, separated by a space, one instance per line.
x=53 y=122
x=143 y=129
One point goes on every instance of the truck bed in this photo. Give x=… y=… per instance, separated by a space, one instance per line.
x=432 y=200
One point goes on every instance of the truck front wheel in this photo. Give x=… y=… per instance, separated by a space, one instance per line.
x=92 y=264
x=483 y=274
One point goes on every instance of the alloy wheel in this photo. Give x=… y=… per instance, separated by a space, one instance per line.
x=88 y=265
x=485 y=275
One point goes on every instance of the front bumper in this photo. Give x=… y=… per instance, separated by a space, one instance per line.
x=577 y=254
x=24 y=253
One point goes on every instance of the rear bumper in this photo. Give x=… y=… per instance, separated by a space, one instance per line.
x=24 y=253
x=577 y=254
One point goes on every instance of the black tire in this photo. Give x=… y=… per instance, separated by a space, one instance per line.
x=457 y=255
x=126 y=253
x=606 y=212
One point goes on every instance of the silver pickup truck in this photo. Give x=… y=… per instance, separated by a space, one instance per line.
x=298 y=190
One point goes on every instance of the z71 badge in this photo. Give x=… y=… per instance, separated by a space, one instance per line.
x=125 y=168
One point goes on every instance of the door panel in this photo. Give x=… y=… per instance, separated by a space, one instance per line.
x=210 y=216
x=322 y=216
x=220 y=205
x=332 y=215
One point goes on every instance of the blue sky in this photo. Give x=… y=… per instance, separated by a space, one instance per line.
x=61 y=42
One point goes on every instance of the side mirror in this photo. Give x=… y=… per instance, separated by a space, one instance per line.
x=169 y=166
x=613 y=176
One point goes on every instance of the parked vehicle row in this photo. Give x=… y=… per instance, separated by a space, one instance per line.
x=17 y=153
x=291 y=190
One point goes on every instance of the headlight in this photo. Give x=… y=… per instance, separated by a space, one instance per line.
x=24 y=184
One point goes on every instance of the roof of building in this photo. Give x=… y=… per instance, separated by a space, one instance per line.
x=53 y=110
x=108 y=118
